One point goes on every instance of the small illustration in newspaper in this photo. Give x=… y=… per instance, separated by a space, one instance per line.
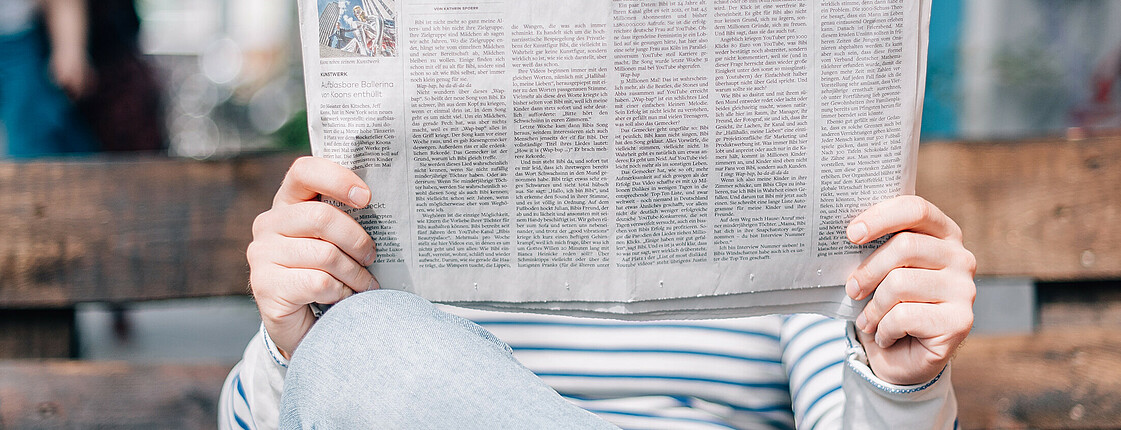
x=357 y=28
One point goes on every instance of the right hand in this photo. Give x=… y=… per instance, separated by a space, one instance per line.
x=306 y=251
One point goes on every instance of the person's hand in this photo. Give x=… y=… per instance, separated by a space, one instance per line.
x=72 y=73
x=306 y=251
x=921 y=282
x=66 y=28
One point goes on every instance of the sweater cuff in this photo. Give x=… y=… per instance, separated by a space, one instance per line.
x=270 y=346
x=857 y=361
x=871 y=402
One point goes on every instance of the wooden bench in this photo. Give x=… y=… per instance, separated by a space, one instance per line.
x=1046 y=209
x=125 y=229
x=117 y=229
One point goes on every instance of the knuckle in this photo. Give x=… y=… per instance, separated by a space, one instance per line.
x=315 y=281
x=319 y=255
x=923 y=209
x=363 y=242
x=913 y=200
x=262 y=287
x=301 y=168
x=253 y=252
x=903 y=315
x=907 y=242
x=300 y=165
x=358 y=273
x=893 y=280
x=955 y=230
x=970 y=293
x=966 y=322
x=319 y=215
x=255 y=285
x=328 y=258
x=969 y=261
x=261 y=223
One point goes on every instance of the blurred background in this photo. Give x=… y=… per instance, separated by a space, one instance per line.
x=232 y=82
x=229 y=75
x=219 y=77
x=1003 y=69
x=219 y=80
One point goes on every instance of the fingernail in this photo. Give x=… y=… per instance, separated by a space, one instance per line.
x=852 y=288
x=359 y=196
x=369 y=259
x=857 y=232
x=373 y=285
x=862 y=323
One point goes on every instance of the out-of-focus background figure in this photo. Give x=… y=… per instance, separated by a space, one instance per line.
x=41 y=69
x=123 y=106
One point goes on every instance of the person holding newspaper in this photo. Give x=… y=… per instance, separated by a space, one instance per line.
x=389 y=359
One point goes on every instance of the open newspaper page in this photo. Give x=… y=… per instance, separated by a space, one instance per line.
x=629 y=158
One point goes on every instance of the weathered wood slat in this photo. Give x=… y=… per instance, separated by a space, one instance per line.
x=1061 y=379
x=74 y=394
x=37 y=333
x=1052 y=380
x=149 y=228
x=1046 y=209
x=129 y=228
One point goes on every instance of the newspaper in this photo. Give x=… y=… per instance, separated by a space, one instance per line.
x=629 y=158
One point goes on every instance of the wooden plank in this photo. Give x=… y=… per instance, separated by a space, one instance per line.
x=73 y=394
x=37 y=333
x=129 y=228
x=1060 y=379
x=1066 y=305
x=114 y=229
x=1046 y=209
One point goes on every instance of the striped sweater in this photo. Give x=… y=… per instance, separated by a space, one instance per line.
x=771 y=372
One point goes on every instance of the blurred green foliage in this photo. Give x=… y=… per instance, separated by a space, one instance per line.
x=293 y=135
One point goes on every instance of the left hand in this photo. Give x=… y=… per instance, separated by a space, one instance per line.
x=921 y=283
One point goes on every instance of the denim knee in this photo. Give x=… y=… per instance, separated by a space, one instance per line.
x=386 y=318
x=388 y=359
x=383 y=349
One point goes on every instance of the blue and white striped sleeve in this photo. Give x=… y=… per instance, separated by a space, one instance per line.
x=832 y=386
x=250 y=398
x=813 y=354
x=870 y=402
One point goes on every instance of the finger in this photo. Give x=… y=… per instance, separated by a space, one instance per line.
x=318 y=220
x=282 y=292
x=903 y=213
x=318 y=287
x=934 y=324
x=905 y=249
x=310 y=177
x=315 y=254
x=901 y=286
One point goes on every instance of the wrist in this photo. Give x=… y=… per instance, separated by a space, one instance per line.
x=876 y=365
x=279 y=357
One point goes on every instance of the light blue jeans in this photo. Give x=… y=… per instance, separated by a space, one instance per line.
x=389 y=359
